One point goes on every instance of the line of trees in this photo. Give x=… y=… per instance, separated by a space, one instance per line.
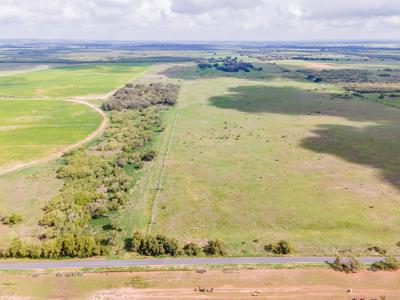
x=159 y=245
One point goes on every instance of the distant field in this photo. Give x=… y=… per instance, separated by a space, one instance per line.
x=269 y=160
x=31 y=129
x=78 y=80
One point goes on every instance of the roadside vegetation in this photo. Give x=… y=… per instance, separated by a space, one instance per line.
x=160 y=245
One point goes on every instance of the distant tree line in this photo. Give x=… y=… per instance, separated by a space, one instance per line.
x=227 y=64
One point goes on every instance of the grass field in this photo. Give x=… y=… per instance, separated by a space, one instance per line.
x=78 y=80
x=31 y=129
x=279 y=159
x=25 y=192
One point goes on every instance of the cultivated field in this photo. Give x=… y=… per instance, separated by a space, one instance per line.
x=253 y=162
x=226 y=284
x=31 y=129
x=78 y=80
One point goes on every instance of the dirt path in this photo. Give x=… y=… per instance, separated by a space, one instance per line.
x=94 y=134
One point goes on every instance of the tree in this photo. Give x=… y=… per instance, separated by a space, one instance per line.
x=215 y=248
x=192 y=249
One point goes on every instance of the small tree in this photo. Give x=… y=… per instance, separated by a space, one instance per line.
x=192 y=249
x=215 y=248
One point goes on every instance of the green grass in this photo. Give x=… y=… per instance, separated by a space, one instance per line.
x=26 y=191
x=31 y=129
x=70 y=80
x=281 y=160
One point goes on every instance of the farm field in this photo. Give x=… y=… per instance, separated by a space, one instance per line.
x=226 y=284
x=254 y=162
x=76 y=80
x=32 y=129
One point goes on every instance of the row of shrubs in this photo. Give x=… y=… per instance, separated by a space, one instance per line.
x=352 y=265
x=67 y=245
x=161 y=245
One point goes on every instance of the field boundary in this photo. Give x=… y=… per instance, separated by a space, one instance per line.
x=159 y=182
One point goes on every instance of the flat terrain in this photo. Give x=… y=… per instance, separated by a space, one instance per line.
x=227 y=284
x=26 y=191
x=30 y=129
x=279 y=159
x=77 y=80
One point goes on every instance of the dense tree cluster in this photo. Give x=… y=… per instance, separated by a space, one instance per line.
x=161 y=245
x=227 y=64
x=141 y=96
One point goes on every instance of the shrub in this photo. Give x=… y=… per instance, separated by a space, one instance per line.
x=152 y=245
x=347 y=265
x=215 y=248
x=281 y=248
x=136 y=241
x=149 y=155
x=192 y=249
x=377 y=249
x=388 y=264
x=12 y=219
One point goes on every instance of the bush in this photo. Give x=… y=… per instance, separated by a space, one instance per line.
x=12 y=219
x=149 y=155
x=281 y=248
x=388 y=264
x=192 y=249
x=377 y=249
x=152 y=245
x=347 y=265
x=215 y=248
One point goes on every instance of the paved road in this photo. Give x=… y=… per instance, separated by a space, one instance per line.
x=60 y=264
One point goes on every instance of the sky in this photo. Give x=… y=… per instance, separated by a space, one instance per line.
x=200 y=20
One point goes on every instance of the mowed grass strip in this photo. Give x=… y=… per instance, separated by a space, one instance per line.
x=256 y=162
x=32 y=129
x=77 y=80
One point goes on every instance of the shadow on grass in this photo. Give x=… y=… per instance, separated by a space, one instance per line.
x=374 y=146
x=377 y=146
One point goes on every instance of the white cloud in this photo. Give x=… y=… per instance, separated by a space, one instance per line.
x=200 y=19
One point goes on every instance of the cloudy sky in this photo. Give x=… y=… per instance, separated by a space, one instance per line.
x=189 y=20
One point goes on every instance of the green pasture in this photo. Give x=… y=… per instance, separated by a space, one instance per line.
x=32 y=129
x=253 y=162
x=76 y=80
